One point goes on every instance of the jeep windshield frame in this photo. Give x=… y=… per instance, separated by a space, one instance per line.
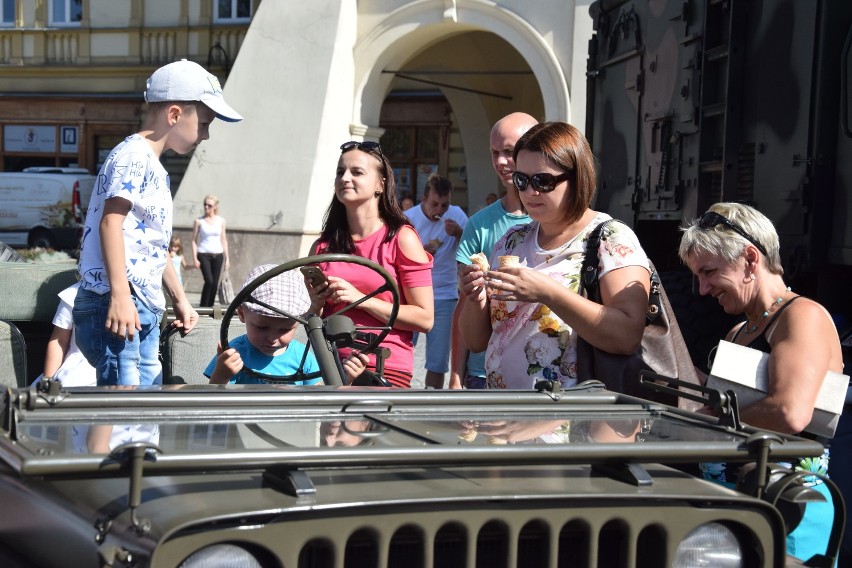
x=281 y=427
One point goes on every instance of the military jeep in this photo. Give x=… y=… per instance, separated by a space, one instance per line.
x=276 y=475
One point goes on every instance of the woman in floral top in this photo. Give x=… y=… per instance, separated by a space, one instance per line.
x=528 y=317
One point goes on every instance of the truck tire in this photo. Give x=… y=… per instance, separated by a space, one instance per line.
x=8 y=254
x=702 y=321
x=41 y=238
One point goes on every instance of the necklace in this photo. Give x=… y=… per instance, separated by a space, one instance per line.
x=765 y=314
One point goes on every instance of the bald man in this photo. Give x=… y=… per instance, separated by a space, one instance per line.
x=483 y=230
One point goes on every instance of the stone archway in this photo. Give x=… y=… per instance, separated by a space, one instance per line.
x=415 y=27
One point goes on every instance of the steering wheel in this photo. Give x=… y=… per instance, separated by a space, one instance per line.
x=317 y=328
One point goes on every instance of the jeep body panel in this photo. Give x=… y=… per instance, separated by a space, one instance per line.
x=252 y=466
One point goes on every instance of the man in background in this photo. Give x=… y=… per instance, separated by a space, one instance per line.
x=439 y=225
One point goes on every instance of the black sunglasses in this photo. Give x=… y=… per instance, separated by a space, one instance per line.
x=711 y=219
x=543 y=183
x=364 y=146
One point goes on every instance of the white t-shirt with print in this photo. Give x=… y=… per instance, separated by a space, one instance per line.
x=74 y=371
x=528 y=341
x=444 y=269
x=132 y=172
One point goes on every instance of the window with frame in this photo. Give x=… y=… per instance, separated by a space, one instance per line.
x=233 y=10
x=7 y=12
x=415 y=154
x=415 y=139
x=65 y=12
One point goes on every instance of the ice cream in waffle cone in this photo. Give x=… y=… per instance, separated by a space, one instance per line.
x=481 y=261
x=506 y=261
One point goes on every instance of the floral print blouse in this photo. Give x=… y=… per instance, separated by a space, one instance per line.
x=528 y=341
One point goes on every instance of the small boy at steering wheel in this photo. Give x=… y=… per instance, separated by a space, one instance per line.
x=268 y=346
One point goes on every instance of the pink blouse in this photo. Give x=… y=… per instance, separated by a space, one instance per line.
x=407 y=274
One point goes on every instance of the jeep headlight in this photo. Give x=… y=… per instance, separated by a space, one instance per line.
x=221 y=556
x=713 y=545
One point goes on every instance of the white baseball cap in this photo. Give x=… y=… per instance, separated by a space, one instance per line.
x=188 y=81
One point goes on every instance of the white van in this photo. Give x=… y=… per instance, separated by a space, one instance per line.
x=44 y=206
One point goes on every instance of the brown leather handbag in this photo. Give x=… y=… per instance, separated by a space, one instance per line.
x=663 y=349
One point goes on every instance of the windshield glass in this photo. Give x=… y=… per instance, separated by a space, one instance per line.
x=409 y=430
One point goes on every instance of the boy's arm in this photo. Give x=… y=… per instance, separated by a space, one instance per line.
x=354 y=365
x=228 y=363
x=122 y=318
x=57 y=347
x=185 y=315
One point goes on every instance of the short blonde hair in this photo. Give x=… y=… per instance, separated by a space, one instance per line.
x=729 y=244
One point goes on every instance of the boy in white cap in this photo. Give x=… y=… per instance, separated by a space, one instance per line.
x=268 y=346
x=124 y=260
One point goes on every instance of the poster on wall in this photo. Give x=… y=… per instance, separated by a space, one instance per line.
x=68 y=139
x=28 y=138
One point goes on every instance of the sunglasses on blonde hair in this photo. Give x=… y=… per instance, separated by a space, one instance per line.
x=711 y=219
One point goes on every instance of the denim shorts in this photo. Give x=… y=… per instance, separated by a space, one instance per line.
x=438 y=339
x=117 y=360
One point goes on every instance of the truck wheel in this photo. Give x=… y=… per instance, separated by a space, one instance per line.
x=41 y=238
x=8 y=254
x=702 y=321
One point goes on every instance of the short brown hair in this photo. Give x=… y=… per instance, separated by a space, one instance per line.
x=154 y=109
x=439 y=184
x=568 y=149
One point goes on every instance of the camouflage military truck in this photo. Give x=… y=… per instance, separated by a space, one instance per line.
x=691 y=102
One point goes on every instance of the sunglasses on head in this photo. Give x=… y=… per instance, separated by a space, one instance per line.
x=711 y=219
x=543 y=183
x=364 y=146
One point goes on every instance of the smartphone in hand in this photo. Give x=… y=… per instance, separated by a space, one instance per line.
x=314 y=275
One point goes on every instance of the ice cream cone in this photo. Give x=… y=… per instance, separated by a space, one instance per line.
x=508 y=260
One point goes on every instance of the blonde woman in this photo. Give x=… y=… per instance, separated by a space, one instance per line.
x=210 y=248
x=734 y=252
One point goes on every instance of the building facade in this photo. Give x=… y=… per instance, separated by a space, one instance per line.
x=427 y=78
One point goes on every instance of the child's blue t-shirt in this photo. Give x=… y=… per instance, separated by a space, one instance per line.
x=285 y=364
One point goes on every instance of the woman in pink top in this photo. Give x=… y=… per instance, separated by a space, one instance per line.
x=365 y=219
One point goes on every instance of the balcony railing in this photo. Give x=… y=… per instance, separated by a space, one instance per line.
x=158 y=47
x=216 y=45
x=62 y=47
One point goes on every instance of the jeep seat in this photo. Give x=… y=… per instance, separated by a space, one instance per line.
x=13 y=356
x=29 y=292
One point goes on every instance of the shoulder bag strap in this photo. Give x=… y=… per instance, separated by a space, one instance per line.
x=589 y=269
x=589 y=275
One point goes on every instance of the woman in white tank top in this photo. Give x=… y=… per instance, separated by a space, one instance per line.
x=210 y=248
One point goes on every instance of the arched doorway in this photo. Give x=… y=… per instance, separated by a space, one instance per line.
x=437 y=96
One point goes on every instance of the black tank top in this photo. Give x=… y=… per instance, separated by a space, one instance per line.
x=761 y=343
